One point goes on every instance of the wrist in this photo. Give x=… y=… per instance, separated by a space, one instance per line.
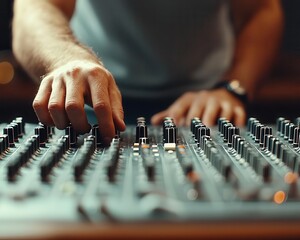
x=235 y=88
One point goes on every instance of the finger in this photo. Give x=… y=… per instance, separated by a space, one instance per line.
x=74 y=105
x=226 y=111
x=56 y=104
x=158 y=118
x=116 y=106
x=196 y=110
x=177 y=110
x=239 y=116
x=101 y=105
x=40 y=102
x=180 y=107
x=211 y=112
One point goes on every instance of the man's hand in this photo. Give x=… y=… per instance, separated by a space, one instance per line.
x=63 y=92
x=207 y=105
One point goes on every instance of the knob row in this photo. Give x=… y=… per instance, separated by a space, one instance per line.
x=211 y=152
x=22 y=156
x=148 y=161
x=111 y=158
x=199 y=131
x=289 y=131
x=83 y=157
x=14 y=130
x=54 y=156
x=275 y=146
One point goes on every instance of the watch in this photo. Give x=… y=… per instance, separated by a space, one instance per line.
x=235 y=88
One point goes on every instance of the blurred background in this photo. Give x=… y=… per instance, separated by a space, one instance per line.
x=278 y=96
x=17 y=95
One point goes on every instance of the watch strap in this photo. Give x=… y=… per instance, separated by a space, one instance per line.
x=241 y=95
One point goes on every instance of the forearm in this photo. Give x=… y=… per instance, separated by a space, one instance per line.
x=256 y=47
x=42 y=39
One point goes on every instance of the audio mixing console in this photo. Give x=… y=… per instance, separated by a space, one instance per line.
x=149 y=172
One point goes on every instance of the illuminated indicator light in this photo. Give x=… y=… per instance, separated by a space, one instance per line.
x=279 y=197
x=290 y=178
x=193 y=177
x=6 y=72
x=145 y=146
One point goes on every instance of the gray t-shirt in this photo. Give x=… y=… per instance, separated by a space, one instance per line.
x=158 y=48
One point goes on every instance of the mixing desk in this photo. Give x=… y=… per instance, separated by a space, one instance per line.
x=150 y=173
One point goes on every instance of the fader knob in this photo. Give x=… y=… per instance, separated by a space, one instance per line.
x=226 y=126
x=3 y=143
x=194 y=121
x=257 y=132
x=279 y=122
x=202 y=131
x=291 y=132
x=9 y=131
x=72 y=135
x=296 y=137
x=141 y=120
x=48 y=129
x=19 y=121
x=235 y=141
x=170 y=134
x=250 y=123
x=16 y=130
x=264 y=131
x=231 y=131
x=96 y=134
x=196 y=128
x=41 y=131
x=141 y=132
x=35 y=139
x=221 y=124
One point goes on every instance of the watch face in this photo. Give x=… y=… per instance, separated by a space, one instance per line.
x=237 y=88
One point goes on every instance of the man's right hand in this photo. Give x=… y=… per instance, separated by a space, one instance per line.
x=63 y=92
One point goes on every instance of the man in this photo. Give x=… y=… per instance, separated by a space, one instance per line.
x=155 y=50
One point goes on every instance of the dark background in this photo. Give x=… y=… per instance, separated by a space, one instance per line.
x=5 y=23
